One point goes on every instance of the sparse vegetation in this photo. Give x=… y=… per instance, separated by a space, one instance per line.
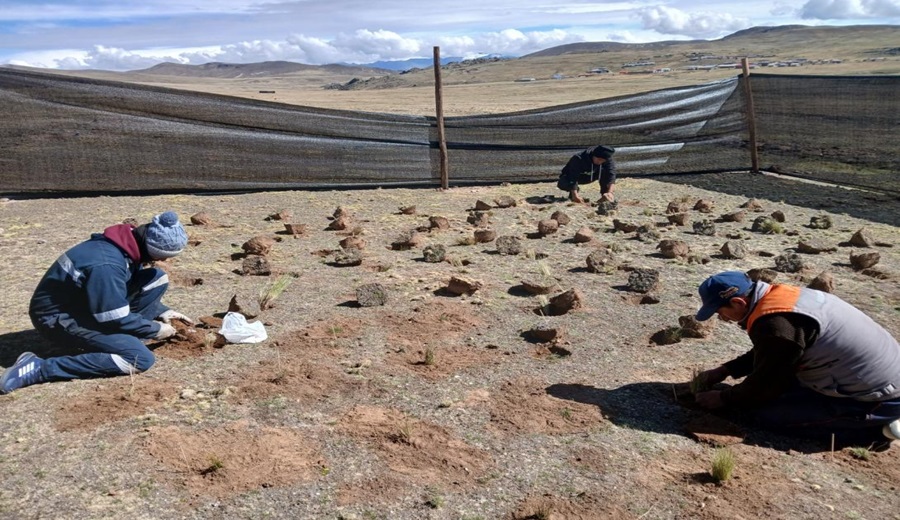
x=861 y=453
x=215 y=464
x=429 y=357
x=270 y=293
x=723 y=463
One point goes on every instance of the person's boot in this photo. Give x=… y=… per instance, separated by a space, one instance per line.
x=26 y=371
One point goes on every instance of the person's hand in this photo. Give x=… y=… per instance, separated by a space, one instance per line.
x=609 y=196
x=165 y=331
x=710 y=400
x=575 y=197
x=170 y=315
x=707 y=378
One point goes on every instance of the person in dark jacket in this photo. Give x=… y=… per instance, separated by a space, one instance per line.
x=819 y=366
x=98 y=298
x=593 y=164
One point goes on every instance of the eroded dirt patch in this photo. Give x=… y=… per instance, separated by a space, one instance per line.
x=113 y=400
x=234 y=458
x=421 y=452
x=304 y=381
x=584 y=506
x=523 y=405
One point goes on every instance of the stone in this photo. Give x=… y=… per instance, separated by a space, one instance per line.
x=789 y=263
x=481 y=205
x=483 y=236
x=583 y=235
x=814 y=247
x=679 y=219
x=353 y=242
x=624 y=227
x=566 y=302
x=561 y=217
x=753 y=205
x=201 y=219
x=861 y=261
x=256 y=266
x=235 y=306
x=666 y=336
x=677 y=206
x=737 y=216
x=459 y=285
x=767 y=225
x=643 y=280
x=544 y=332
x=508 y=245
x=281 y=215
x=601 y=261
x=824 y=282
x=691 y=328
x=434 y=253
x=479 y=219
x=371 y=295
x=295 y=229
x=733 y=250
x=408 y=210
x=778 y=216
x=543 y=285
x=820 y=222
x=440 y=223
x=340 y=212
x=647 y=233
x=407 y=240
x=340 y=223
x=705 y=227
x=258 y=245
x=347 y=258
x=505 y=201
x=547 y=227
x=862 y=238
x=673 y=248
x=766 y=275
x=704 y=206
x=607 y=207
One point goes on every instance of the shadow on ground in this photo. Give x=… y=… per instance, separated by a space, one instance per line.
x=651 y=407
x=873 y=206
x=14 y=343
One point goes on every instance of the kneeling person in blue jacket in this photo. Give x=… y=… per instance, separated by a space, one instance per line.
x=593 y=164
x=98 y=298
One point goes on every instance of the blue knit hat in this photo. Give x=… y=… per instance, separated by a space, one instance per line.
x=165 y=236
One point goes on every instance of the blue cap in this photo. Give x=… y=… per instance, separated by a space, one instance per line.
x=718 y=289
x=165 y=236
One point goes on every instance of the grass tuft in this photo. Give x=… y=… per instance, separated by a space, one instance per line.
x=270 y=293
x=722 y=464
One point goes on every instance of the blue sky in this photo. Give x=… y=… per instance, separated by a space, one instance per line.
x=127 y=35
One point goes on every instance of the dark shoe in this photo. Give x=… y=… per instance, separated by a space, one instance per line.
x=26 y=371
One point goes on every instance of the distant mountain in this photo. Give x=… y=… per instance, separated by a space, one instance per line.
x=261 y=69
x=754 y=36
x=412 y=63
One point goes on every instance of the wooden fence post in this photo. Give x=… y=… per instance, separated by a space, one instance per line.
x=439 y=109
x=751 y=118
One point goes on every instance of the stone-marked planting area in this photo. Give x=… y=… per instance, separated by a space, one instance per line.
x=481 y=352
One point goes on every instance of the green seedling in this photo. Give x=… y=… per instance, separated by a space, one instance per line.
x=215 y=464
x=269 y=294
x=861 y=453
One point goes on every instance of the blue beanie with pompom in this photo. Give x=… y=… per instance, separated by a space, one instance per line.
x=165 y=236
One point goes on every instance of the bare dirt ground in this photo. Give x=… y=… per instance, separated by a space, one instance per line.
x=435 y=405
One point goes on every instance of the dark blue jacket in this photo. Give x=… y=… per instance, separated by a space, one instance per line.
x=90 y=282
x=581 y=170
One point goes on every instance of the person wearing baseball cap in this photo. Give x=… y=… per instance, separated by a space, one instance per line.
x=818 y=367
x=99 y=299
x=594 y=164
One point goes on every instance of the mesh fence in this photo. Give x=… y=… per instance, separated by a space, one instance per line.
x=836 y=129
x=67 y=134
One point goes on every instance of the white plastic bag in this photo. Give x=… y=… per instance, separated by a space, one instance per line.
x=236 y=329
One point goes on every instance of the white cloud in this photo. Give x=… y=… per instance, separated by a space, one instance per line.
x=700 y=24
x=849 y=9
